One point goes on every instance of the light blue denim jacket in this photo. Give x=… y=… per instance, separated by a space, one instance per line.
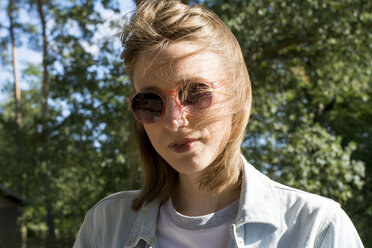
x=270 y=215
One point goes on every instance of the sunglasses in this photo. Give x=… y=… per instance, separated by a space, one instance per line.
x=148 y=105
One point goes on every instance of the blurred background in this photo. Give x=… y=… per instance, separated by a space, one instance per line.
x=64 y=122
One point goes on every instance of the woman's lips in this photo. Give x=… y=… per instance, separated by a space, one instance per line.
x=183 y=145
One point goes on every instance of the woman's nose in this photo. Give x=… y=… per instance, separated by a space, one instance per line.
x=175 y=117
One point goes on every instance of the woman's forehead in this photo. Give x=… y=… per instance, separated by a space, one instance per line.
x=181 y=61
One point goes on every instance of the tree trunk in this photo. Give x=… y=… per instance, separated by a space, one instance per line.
x=45 y=89
x=17 y=103
x=17 y=91
x=51 y=238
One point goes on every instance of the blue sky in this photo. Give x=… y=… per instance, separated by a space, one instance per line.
x=26 y=55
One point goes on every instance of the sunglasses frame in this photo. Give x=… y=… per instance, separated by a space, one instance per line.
x=174 y=93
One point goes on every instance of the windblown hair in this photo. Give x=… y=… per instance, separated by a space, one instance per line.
x=155 y=25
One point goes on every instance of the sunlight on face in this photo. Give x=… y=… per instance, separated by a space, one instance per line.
x=188 y=150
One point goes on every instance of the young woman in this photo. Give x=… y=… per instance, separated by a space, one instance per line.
x=191 y=104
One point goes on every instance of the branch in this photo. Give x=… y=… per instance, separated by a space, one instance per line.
x=310 y=39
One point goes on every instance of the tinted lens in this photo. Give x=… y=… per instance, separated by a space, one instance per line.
x=147 y=107
x=196 y=97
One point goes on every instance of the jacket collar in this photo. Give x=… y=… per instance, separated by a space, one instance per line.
x=259 y=202
x=144 y=227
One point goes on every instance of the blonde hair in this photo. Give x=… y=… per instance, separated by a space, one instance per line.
x=155 y=25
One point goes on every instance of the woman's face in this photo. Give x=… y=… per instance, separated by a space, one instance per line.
x=188 y=150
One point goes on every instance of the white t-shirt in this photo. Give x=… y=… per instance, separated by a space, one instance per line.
x=211 y=230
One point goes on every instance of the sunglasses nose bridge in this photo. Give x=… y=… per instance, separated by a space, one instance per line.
x=173 y=99
x=173 y=104
x=174 y=113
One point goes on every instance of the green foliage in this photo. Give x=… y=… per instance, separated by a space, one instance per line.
x=310 y=65
x=87 y=130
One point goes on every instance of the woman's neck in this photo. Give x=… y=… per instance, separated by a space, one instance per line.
x=188 y=199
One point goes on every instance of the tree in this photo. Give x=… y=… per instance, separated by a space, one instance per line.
x=310 y=65
x=44 y=114
x=17 y=92
x=75 y=144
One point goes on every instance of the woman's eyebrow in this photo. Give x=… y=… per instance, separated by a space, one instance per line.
x=150 y=88
x=179 y=82
x=192 y=79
